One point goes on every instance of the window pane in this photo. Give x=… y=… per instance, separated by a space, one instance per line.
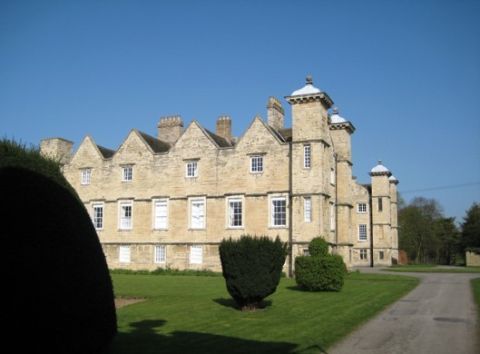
x=307 y=209
x=307 y=151
x=160 y=256
x=124 y=254
x=362 y=232
x=161 y=214
x=256 y=164
x=197 y=214
x=196 y=254
x=279 y=212
x=235 y=213
x=98 y=216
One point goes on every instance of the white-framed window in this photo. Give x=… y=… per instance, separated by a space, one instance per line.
x=235 y=212
x=363 y=254
x=307 y=156
x=196 y=254
x=86 y=176
x=191 y=169
x=278 y=211
x=127 y=173
x=124 y=254
x=160 y=254
x=332 y=176
x=332 y=216
x=307 y=209
x=197 y=213
x=97 y=215
x=256 y=164
x=362 y=232
x=160 y=214
x=125 y=213
x=361 y=207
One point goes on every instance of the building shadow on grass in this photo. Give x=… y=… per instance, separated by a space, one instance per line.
x=229 y=302
x=145 y=340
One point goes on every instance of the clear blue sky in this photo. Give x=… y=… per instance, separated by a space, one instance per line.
x=406 y=73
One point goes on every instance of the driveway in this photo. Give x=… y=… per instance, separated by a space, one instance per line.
x=438 y=316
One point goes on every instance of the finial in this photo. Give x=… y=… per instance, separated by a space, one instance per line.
x=309 y=80
x=379 y=162
x=335 y=110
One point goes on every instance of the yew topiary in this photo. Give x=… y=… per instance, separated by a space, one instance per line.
x=61 y=286
x=320 y=273
x=252 y=268
x=318 y=247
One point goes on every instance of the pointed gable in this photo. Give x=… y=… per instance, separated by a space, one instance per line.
x=89 y=152
x=260 y=134
x=196 y=137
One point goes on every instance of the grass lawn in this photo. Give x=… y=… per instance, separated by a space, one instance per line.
x=476 y=293
x=429 y=268
x=191 y=314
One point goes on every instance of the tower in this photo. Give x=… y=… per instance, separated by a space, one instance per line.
x=57 y=148
x=381 y=215
x=341 y=131
x=310 y=164
x=394 y=217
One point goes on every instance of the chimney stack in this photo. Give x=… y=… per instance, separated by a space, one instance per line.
x=275 y=113
x=170 y=128
x=224 y=127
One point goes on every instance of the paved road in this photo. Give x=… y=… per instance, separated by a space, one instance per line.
x=438 y=316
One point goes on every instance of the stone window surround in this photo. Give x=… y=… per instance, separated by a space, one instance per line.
x=154 y=205
x=229 y=199
x=271 y=199
x=363 y=254
x=85 y=176
x=127 y=172
x=257 y=164
x=191 y=168
x=125 y=202
x=362 y=233
x=190 y=201
x=307 y=156
x=191 y=254
x=125 y=256
x=362 y=208
x=307 y=209
x=157 y=259
x=95 y=205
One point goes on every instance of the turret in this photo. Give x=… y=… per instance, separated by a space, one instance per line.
x=381 y=214
x=394 y=217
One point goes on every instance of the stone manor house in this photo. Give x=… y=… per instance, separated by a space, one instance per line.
x=168 y=201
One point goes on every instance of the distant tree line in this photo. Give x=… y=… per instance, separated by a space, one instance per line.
x=427 y=236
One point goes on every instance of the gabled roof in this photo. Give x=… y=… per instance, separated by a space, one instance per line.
x=155 y=144
x=106 y=153
x=219 y=140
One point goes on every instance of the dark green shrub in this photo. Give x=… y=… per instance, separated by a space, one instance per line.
x=60 y=285
x=318 y=247
x=14 y=154
x=252 y=268
x=320 y=273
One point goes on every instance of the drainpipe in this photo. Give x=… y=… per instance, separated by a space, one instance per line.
x=290 y=210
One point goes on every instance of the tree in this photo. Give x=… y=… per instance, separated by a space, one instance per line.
x=252 y=267
x=449 y=240
x=417 y=233
x=471 y=228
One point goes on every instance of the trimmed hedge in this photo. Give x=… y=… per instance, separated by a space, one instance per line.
x=60 y=285
x=320 y=273
x=252 y=268
x=318 y=247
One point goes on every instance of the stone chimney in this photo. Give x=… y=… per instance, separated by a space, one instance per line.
x=170 y=128
x=58 y=149
x=275 y=113
x=224 y=127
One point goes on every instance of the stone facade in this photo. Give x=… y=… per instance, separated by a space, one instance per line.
x=169 y=201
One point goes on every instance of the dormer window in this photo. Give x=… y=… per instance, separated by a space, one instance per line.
x=127 y=173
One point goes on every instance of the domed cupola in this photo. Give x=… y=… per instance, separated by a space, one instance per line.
x=308 y=89
x=335 y=117
x=380 y=170
x=393 y=179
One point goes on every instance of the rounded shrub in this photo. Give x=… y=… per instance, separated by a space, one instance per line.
x=252 y=268
x=318 y=247
x=61 y=286
x=320 y=273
